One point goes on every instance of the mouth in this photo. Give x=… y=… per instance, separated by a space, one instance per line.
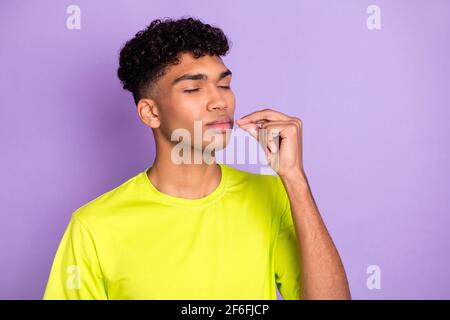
x=220 y=124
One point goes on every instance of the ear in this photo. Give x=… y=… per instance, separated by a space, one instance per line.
x=149 y=113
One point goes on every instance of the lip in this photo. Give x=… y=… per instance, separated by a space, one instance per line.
x=220 y=124
x=223 y=120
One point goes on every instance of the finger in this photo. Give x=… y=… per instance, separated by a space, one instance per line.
x=266 y=114
x=272 y=150
x=259 y=135
x=264 y=144
x=274 y=128
x=264 y=137
x=273 y=139
x=258 y=123
x=282 y=126
x=252 y=129
x=261 y=122
x=277 y=123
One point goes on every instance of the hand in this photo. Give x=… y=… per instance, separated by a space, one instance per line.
x=281 y=138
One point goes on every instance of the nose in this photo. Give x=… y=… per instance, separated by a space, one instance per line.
x=217 y=101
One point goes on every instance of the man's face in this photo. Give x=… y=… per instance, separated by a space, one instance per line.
x=196 y=90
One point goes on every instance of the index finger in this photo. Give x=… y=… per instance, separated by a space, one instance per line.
x=266 y=114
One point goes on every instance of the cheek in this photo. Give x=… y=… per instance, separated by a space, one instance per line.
x=231 y=100
x=183 y=118
x=181 y=112
x=186 y=104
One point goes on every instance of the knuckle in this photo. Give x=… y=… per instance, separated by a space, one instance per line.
x=294 y=125
x=298 y=121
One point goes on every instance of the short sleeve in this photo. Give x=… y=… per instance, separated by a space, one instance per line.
x=76 y=272
x=286 y=251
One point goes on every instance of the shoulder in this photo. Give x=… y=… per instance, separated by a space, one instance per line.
x=107 y=203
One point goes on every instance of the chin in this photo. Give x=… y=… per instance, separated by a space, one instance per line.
x=217 y=141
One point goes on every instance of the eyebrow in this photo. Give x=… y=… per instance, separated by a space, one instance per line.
x=200 y=76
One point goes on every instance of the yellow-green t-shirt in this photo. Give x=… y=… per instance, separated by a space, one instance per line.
x=135 y=242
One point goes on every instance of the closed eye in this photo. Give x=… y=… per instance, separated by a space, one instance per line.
x=191 y=90
x=197 y=89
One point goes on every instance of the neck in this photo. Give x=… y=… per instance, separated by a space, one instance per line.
x=190 y=181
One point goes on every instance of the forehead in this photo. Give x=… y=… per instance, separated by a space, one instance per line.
x=212 y=66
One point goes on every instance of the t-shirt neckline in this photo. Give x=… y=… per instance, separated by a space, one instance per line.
x=169 y=199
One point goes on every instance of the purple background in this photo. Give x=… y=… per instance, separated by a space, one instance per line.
x=375 y=106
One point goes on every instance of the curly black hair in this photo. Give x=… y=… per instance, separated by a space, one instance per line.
x=144 y=58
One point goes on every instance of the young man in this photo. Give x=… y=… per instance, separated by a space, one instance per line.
x=189 y=229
